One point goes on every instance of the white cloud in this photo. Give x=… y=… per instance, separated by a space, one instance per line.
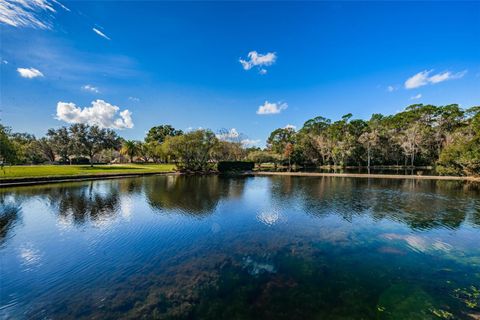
x=272 y=108
x=415 y=97
x=91 y=88
x=61 y=5
x=228 y=135
x=423 y=78
x=258 y=60
x=390 y=88
x=28 y=13
x=100 y=33
x=250 y=142
x=134 y=99
x=4 y=61
x=29 y=73
x=290 y=126
x=101 y=113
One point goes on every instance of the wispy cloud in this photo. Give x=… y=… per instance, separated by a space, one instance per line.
x=101 y=113
x=391 y=88
x=424 y=77
x=29 y=73
x=71 y=64
x=258 y=60
x=28 y=13
x=90 y=88
x=134 y=99
x=100 y=33
x=416 y=97
x=271 y=108
x=61 y=5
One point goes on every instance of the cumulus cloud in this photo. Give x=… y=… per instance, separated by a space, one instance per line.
x=424 y=77
x=250 y=142
x=29 y=73
x=228 y=135
x=101 y=113
x=290 y=126
x=271 y=108
x=415 y=97
x=100 y=33
x=89 y=87
x=29 y=13
x=259 y=61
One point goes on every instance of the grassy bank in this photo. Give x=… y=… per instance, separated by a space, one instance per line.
x=49 y=171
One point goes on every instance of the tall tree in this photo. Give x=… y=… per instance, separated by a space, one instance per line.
x=61 y=143
x=8 y=153
x=160 y=133
x=194 y=149
x=279 y=138
x=130 y=148
x=90 y=140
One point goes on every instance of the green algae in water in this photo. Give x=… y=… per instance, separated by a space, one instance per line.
x=407 y=302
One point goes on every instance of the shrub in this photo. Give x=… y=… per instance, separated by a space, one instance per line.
x=229 y=166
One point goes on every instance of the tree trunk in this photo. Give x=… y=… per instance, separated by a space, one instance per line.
x=368 y=152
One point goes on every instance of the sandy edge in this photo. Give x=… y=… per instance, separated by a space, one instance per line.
x=364 y=175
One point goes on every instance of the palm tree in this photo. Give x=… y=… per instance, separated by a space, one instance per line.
x=130 y=149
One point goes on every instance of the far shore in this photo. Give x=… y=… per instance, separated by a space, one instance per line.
x=365 y=175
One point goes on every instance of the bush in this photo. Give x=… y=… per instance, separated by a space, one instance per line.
x=229 y=166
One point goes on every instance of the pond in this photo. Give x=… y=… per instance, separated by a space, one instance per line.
x=211 y=247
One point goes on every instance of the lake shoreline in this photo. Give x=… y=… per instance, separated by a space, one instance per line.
x=366 y=175
x=14 y=182
x=18 y=182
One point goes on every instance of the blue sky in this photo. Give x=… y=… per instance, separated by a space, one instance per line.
x=179 y=62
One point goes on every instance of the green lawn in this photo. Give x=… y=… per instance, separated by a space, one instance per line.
x=14 y=172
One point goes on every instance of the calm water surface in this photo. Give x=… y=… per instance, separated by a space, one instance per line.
x=176 y=247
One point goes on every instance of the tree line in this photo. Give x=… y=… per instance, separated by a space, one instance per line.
x=197 y=150
x=447 y=137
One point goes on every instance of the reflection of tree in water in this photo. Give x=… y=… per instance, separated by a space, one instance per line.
x=130 y=185
x=421 y=204
x=193 y=195
x=90 y=202
x=9 y=216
